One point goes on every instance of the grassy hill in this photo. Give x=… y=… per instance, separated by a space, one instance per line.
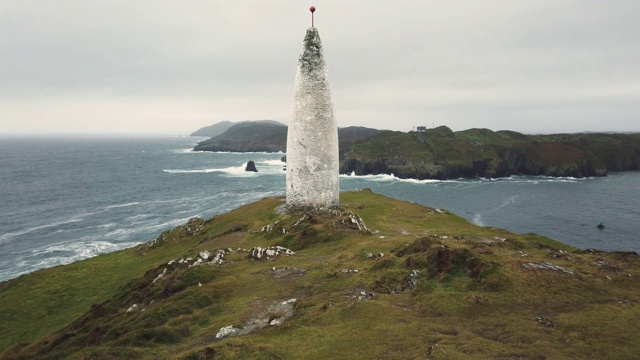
x=443 y=154
x=381 y=279
x=222 y=126
x=268 y=136
x=213 y=130
x=248 y=136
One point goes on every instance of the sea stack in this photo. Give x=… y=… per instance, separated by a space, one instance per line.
x=312 y=137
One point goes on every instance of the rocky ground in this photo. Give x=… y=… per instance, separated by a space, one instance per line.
x=379 y=278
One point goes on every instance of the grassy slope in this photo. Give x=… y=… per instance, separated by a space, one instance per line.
x=269 y=136
x=438 y=152
x=473 y=300
x=265 y=135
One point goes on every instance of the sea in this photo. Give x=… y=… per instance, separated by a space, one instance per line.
x=68 y=198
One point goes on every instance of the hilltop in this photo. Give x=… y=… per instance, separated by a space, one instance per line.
x=222 y=126
x=441 y=153
x=380 y=278
x=267 y=136
x=248 y=136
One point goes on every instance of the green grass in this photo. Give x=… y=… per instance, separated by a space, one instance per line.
x=474 y=298
x=443 y=154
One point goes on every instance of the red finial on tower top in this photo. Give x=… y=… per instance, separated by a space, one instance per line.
x=312 y=9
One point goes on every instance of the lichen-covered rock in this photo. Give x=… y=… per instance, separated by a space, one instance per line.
x=228 y=331
x=160 y=276
x=277 y=321
x=275 y=315
x=260 y=253
x=204 y=257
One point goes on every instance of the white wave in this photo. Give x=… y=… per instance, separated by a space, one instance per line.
x=124 y=234
x=62 y=254
x=511 y=179
x=8 y=236
x=172 y=201
x=234 y=171
x=137 y=217
x=477 y=219
x=122 y=205
x=248 y=152
x=511 y=200
x=538 y=179
x=239 y=171
x=101 y=226
x=132 y=232
x=276 y=162
x=178 y=171
x=388 y=178
x=186 y=151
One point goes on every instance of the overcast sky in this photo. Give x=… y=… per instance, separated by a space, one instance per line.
x=171 y=67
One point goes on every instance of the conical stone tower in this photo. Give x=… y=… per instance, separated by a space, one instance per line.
x=312 y=138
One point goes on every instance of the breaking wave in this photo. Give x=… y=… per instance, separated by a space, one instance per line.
x=511 y=179
x=264 y=167
x=8 y=236
x=387 y=178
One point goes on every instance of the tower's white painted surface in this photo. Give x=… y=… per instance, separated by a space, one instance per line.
x=312 y=138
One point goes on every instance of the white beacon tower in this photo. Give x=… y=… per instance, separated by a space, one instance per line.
x=312 y=137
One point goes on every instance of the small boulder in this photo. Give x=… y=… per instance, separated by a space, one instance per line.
x=228 y=331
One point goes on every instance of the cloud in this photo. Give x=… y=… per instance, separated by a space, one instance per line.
x=168 y=66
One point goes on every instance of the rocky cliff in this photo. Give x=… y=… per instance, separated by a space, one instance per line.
x=443 y=154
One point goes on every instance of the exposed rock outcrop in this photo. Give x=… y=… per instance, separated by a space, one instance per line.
x=274 y=315
x=251 y=166
x=260 y=253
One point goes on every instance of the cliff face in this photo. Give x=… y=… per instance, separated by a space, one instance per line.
x=442 y=154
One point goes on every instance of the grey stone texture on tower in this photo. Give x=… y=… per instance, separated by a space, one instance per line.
x=312 y=137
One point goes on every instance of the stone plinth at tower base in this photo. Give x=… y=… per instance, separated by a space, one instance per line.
x=312 y=138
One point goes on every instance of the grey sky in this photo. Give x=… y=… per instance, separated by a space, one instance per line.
x=88 y=66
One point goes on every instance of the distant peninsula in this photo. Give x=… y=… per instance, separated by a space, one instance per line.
x=222 y=126
x=441 y=153
x=263 y=136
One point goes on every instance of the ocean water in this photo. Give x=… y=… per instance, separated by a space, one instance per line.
x=65 y=199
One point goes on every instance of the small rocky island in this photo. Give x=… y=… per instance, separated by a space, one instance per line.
x=251 y=166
